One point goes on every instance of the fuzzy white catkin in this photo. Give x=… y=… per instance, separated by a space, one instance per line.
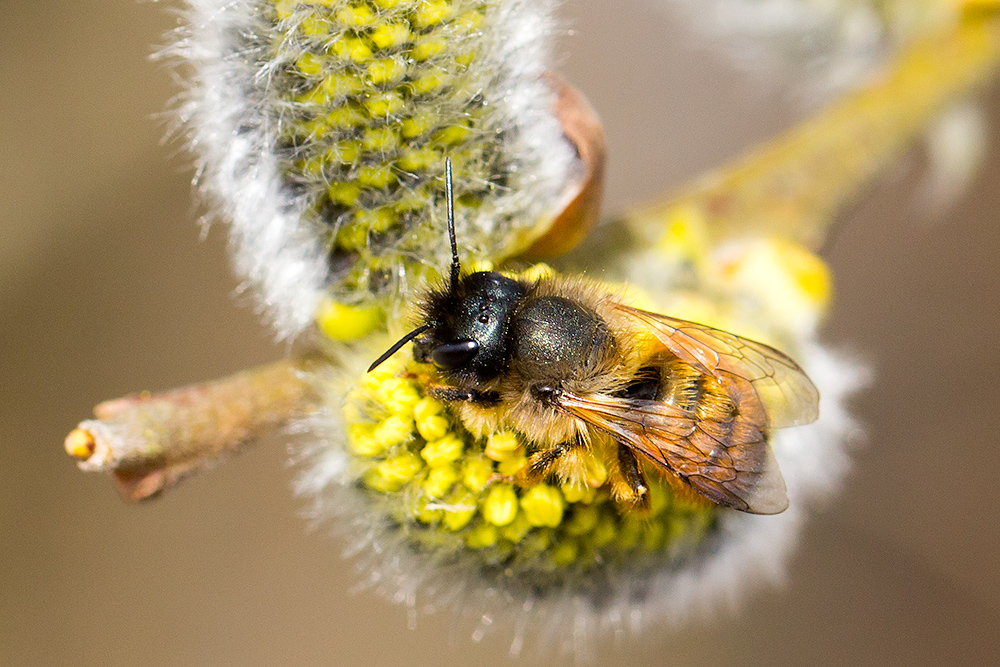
x=745 y=552
x=235 y=118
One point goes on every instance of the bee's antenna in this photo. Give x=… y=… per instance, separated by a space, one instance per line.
x=450 y=195
x=398 y=344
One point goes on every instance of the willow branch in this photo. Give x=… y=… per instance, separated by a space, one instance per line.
x=794 y=186
x=149 y=442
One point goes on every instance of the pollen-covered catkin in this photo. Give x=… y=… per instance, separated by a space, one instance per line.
x=322 y=129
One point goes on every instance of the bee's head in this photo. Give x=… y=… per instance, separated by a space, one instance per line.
x=467 y=336
x=464 y=330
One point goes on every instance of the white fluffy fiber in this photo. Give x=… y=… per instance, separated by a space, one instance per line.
x=233 y=125
x=233 y=137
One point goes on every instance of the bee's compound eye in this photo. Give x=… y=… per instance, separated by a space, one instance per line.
x=450 y=356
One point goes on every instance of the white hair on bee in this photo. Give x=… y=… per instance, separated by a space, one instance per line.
x=742 y=554
x=235 y=120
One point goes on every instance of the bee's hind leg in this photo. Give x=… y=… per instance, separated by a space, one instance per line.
x=629 y=487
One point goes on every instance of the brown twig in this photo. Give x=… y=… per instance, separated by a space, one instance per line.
x=149 y=442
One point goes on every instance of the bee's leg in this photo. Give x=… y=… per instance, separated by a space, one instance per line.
x=630 y=486
x=455 y=395
x=539 y=465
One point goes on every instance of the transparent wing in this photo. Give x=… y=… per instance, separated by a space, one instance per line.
x=785 y=394
x=728 y=462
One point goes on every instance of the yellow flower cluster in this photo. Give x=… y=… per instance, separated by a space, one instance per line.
x=453 y=490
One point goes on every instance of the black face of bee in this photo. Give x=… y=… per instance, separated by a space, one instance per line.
x=468 y=334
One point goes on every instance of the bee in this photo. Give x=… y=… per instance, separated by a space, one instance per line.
x=579 y=373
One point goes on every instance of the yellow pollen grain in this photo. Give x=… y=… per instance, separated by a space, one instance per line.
x=452 y=135
x=427 y=407
x=384 y=138
x=377 y=176
x=360 y=440
x=432 y=427
x=386 y=70
x=353 y=49
x=482 y=536
x=476 y=473
x=342 y=322
x=344 y=193
x=443 y=451
x=512 y=465
x=440 y=481
x=427 y=514
x=431 y=13
x=543 y=505
x=419 y=123
x=315 y=26
x=334 y=86
x=393 y=430
x=353 y=237
x=311 y=167
x=419 y=159
x=516 y=530
x=595 y=471
x=309 y=64
x=502 y=445
x=469 y=21
x=390 y=35
x=356 y=17
x=383 y=104
x=500 y=506
x=578 y=493
x=459 y=511
x=283 y=9
x=343 y=152
x=429 y=81
x=345 y=117
x=392 y=474
x=378 y=220
x=398 y=395
x=428 y=48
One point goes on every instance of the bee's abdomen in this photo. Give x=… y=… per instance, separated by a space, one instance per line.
x=556 y=337
x=689 y=389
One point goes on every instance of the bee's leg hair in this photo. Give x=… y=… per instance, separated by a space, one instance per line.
x=539 y=465
x=455 y=395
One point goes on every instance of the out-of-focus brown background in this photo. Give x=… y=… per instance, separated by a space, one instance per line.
x=106 y=288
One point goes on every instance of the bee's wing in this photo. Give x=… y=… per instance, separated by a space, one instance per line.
x=730 y=463
x=786 y=394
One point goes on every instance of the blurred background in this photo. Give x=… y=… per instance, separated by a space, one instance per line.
x=106 y=288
